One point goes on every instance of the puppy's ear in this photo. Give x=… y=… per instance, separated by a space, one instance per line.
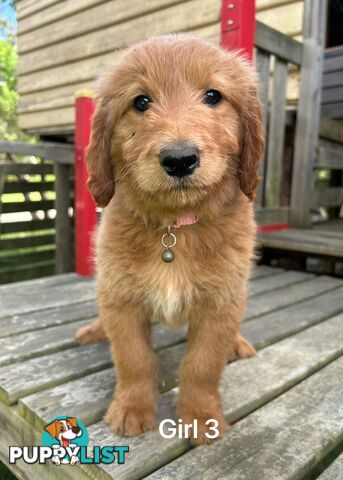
x=52 y=429
x=72 y=421
x=98 y=156
x=252 y=144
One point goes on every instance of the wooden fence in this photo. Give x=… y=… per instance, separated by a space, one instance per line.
x=297 y=145
x=36 y=210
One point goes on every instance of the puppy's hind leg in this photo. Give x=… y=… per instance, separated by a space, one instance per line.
x=92 y=333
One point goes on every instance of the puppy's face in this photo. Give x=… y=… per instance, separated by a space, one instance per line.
x=176 y=120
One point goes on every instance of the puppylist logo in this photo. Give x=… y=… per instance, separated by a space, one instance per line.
x=65 y=442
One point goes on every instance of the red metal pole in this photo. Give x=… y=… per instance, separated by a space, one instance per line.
x=238 y=26
x=85 y=210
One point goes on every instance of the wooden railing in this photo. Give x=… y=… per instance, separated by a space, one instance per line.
x=36 y=207
x=302 y=152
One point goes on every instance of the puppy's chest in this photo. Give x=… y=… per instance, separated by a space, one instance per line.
x=170 y=295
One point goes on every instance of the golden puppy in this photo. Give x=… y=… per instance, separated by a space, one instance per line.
x=177 y=136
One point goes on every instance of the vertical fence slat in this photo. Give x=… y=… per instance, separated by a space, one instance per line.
x=276 y=134
x=262 y=67
x=64 y=249
x=307 y=131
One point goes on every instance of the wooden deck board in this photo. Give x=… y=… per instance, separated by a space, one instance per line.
x=274 y=370
x=274 y=326
x=295 y=322
x=335 y=470
x=280 y=441
x=317 y=242
x=38 y=297
x=261 y=304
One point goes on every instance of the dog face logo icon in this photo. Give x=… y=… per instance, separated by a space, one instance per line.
x=65 y=435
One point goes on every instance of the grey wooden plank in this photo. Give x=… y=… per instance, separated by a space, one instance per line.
x=89 y=397
x=28 y=322
x=36 y=374
x=16 y=324
x=276 y=135
x=26 y=169
x=333 y=110
x=333 y=60
x=27 y=206
x=31 y=241
x=32 y=298
x=274 y=326
x=41 y=282
x=334 y=94
x=329 y=158
x=307 y=131
x=331 y=129
x=24 y=186
x=29 y=226
x=274 y=282
x=272 y=371
x=262 y=66
x=332 y=79
x=282 y=440
x=64 y=233
x=334 y=471
x=62 y=153
x=33 y=344
x=272 y=215
x=262 y=331
x=310 y=233
x=309 y=243
x=327 y=197
x=264 y=271
x=278 y=44
x=264 y=303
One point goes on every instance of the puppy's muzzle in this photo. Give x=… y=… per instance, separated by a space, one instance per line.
x=179 y=159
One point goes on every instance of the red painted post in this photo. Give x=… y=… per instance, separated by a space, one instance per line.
x=85 y=210
x=238 y=26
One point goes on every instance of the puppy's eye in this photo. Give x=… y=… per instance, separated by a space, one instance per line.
x=212 y=97
x=141 y=103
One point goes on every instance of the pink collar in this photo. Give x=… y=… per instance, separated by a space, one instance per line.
x=186 y=220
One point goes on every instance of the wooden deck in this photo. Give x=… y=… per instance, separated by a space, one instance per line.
x=285 y=404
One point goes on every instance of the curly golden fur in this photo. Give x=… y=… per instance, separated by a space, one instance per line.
x=206 y=285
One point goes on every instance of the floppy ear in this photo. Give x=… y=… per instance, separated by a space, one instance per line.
x=252 y=144
x=72 y=421
x=52 y=429
x=98 y=157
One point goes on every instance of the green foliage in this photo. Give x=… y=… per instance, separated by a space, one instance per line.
x=8 y=95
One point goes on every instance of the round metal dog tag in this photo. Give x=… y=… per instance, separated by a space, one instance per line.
x=168 y=255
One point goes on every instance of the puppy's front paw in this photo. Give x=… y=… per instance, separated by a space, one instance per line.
x=208 y=423
x=131 y=419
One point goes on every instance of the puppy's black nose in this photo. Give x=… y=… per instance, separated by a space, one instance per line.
x=179 y=159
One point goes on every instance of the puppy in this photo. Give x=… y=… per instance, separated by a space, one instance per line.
x=177 y=136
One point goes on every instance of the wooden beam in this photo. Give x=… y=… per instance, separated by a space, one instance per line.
x=51 y=151
x=307 y=131
x=276 y=135
x=278 y=44
x=63 y=235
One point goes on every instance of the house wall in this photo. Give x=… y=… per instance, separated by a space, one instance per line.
x=332 y=93
x=63 y=45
